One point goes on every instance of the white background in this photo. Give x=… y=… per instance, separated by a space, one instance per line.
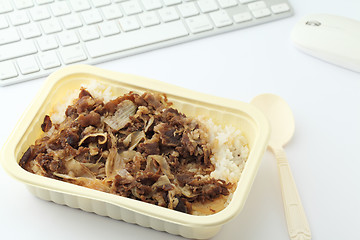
x=324 y=153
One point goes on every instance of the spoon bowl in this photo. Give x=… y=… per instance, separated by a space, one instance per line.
x=282 y=125
x=280 y=117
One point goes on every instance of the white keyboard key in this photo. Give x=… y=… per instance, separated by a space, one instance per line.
x=88 y=33
x=30 y=30
x=68 y=38
x=149 y=19
x=221 y=18
x=60 y=8
x=8 y=35
x=246 y=1
x=151 y=4
x=171 y=2
x=19 y=17
x=71 y=21
x=47 y=43
x=131 y=7
x=129 y=23
x=227 y=3
x=242 y=17
x=21 y=4
x=72 y=54
x=168 y=14
x=44 y=1
x=5 y=6
x=207 y=5
x=39 y=13
x=135 y=39
x=256 y=5
x=51 y=26
x=91 y=16
x=27 y=65
x=3 y=22
x=49 y=60
x=100 y=3
x=199 y=24
x=80 y=5
x=188 y=9
x=111 y=12
x=18 y=49
x=280 y=8
x=109 y=28
x=7 y=70
x=261 y=13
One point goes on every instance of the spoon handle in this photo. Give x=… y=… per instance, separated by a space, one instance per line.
x=297 y=223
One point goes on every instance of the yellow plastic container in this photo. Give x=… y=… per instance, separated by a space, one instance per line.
x=244 y=116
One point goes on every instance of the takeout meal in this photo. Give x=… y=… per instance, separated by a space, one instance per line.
x=138 y=150
x=139 y=146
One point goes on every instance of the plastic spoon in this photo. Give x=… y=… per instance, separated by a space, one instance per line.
x=282 y=125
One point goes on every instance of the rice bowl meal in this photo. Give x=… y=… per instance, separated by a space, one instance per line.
x=138 y=150
x=140 y=147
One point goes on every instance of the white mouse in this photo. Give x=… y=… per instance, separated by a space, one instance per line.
x=331 y=38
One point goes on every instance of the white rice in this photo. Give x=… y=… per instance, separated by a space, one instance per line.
x=229 y=146
x=230 y=151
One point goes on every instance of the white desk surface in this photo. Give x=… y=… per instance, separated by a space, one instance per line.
x=323 y=155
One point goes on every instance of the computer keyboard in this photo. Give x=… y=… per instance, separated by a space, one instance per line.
x=39 y=36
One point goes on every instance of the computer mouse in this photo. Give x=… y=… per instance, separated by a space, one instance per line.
x=332 y=38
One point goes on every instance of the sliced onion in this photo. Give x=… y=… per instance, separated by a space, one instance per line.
x=133 y=139
x=149 y=123
x=121 y=117
x=164 y=165
x=78 y=169
x=101 y=140
x=86 y=182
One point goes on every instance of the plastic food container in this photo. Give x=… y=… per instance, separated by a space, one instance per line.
x=244 y=116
